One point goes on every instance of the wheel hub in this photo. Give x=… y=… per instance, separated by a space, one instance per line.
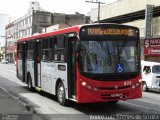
x=61 y=93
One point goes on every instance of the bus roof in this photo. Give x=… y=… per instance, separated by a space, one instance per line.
x=65 y=30
x=41 y=35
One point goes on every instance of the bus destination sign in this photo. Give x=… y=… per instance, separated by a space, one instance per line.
x=111 y=31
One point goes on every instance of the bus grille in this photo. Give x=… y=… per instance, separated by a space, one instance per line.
x=113 y=88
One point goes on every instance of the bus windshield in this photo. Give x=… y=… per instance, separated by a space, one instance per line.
x=105 y=57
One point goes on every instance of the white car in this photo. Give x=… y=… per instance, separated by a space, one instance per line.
x=4 y=61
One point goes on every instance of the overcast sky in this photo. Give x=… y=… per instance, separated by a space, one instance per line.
x=18 y=8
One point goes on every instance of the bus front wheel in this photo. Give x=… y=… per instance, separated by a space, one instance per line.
x=61 y=94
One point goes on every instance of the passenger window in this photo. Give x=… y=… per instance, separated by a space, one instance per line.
x=30 y=55
x=46 y=49
x=19 y=49
x=61 y=41
x=54 y=43
x=59 y=46
x=30 y=51
x=19 y=55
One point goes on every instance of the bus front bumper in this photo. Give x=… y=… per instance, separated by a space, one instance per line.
x=89 y=95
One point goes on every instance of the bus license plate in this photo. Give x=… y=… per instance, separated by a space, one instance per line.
x=116 y=95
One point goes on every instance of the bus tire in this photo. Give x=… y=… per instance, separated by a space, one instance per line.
x=29 y=81
x=61 y=96
x=144 y=87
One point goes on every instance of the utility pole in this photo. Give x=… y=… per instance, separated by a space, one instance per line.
x=99 y=3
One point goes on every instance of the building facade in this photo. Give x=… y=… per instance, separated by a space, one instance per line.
x=60 y=21
x=4 y=20
x=37 y=21
x=134 y=13
x=19 y=28
x=10 y=42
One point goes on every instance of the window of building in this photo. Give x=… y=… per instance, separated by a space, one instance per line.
x=29 y=31
x=26 y=21
x=30 y=19
x=25 y=32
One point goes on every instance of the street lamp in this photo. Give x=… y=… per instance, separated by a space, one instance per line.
x=99 y=3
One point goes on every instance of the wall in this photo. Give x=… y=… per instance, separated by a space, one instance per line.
x=141 y=25
x=54 y=27
x=41 y=19
x=121 y=7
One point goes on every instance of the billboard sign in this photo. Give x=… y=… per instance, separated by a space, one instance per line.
x=152 y=47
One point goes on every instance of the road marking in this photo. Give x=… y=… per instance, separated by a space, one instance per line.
x=140 y=106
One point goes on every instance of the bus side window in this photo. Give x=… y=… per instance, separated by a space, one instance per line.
x=30 y=51
x=55 y=43
x=59 y=46
x=61 y=41
x=46 y=49
x=19 y=49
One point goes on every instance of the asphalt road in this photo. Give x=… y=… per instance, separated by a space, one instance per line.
x=147 y=107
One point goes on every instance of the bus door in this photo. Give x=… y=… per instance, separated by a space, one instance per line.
x=72 y=67
x=46 y=65
x=24 y=56
x=37 y=70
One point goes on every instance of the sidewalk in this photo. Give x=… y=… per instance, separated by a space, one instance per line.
x=13 y=109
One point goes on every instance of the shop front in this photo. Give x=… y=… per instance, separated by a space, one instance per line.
x=152 y=49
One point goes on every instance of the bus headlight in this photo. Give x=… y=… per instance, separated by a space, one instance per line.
x=84 y=84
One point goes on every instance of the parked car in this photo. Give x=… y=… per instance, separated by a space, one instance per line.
x=150 y=75
x=4 y=61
